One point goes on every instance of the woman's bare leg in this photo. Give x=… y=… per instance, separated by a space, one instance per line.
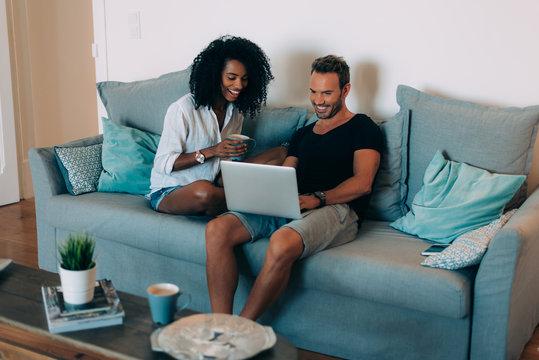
x=204 y=198
x=273 y=156
x=198 y=198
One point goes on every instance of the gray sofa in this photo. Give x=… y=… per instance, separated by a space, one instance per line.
x=368 y=299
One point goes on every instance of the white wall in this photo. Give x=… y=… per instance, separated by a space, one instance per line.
x=482 y=50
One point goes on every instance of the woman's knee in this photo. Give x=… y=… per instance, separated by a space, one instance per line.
x=209 y=199
x=203 y=192
x=198 y=198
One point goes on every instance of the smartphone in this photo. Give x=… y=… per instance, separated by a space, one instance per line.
x=435 y=249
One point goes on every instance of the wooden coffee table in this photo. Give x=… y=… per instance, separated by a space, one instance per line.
x=23 y=325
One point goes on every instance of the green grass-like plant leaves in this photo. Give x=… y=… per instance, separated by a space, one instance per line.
x=77 y=252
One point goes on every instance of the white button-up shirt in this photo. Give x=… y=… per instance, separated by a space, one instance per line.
x=187 y=130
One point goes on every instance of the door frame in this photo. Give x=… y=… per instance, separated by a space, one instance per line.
x=9 y=171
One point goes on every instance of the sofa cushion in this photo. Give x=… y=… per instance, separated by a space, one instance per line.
x=129 y=219
x=498 y=140
x=382 y=265
x=389 y=188
x=456 y=198
x=128 y=155
x=80 y=166
x=273 y=126
x=143 y=104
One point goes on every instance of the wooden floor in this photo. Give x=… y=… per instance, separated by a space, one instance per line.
x=18 y=241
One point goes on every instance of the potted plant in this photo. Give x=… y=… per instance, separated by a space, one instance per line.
x=77 y=268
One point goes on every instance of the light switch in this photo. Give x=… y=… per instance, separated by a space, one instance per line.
x=133 y=25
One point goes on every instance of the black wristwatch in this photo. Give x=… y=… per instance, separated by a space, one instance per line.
x=321 y=196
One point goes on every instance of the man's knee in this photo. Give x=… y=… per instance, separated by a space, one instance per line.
x=285 y=247
x=219 y=232
x=215 y=232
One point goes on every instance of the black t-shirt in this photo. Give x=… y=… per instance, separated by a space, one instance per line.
x=325 y=161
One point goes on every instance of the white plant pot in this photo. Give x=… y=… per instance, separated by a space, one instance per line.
x=78 y=285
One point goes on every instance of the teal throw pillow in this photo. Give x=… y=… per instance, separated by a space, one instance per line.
x=80 y=166
x=456 y=198
x=273 y=126
x=128 y=155
x=500 y=140
x=468 y=249
x=143 y=104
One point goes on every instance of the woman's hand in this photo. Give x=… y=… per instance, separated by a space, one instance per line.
x=229 y=148
x=224 y=149
x=308 y=202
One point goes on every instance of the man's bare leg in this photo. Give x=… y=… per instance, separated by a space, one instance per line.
x=223 y=234
x=286 y=246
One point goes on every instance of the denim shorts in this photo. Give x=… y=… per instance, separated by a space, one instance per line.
x=322 y=228
x=157 y=196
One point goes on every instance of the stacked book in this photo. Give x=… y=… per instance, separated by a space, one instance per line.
x=104 y=310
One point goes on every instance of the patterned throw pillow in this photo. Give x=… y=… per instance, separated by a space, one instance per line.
x=80 y=167
x=468 y=249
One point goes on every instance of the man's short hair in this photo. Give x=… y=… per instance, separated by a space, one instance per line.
x=332 y=63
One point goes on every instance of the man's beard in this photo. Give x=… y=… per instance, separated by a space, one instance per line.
x=335 y=109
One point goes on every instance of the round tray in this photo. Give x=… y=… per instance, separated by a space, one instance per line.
x=213 y=336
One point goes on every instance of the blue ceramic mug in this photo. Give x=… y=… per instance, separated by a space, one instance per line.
x=163 y=299
x=251 y=143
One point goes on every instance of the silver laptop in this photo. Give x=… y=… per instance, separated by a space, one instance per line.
x=261 y=189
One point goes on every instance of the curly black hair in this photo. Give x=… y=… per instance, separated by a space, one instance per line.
x=205 y=80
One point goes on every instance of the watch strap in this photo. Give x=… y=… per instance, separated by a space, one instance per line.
x=322 y=197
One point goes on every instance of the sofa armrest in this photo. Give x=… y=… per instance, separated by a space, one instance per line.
x=46 y=176
x=506 y=298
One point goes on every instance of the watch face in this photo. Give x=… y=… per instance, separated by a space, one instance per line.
x=199 y=157
x=320 y=194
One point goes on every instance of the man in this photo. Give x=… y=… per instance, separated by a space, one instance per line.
x=336 y=159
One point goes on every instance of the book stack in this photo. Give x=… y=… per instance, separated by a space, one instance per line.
x=104 y=310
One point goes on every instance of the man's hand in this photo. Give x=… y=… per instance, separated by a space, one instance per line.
x=308 y=202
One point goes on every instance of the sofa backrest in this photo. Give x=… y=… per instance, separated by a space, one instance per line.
x=499 y=140
x=274 y=126
x=143 y=105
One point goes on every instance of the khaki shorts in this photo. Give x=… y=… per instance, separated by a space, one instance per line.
x=323 y=228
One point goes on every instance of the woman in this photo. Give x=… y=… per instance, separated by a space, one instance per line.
x=228 y=80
